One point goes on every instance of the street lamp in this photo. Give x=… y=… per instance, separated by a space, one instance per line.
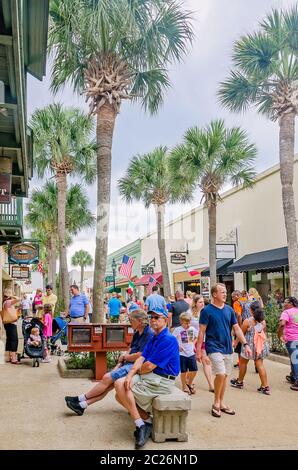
x=114 y=266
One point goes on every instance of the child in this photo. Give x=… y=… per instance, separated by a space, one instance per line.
x=187 y=338
x=254 y=330
x=47 y=321
x=34 y=338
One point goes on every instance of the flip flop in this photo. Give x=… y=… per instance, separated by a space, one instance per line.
x=192 y=389
x=215 y=411
x=228 y=411
x=187 y=391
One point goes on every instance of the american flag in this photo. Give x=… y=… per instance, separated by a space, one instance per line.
x=40 y=267
x=152 y=282
x=126 y=266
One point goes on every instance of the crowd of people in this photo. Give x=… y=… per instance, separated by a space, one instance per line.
x=172 y=337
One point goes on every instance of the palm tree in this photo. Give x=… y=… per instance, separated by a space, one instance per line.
x=114 y=50
x=42 y=217
x=266 y=75
x=148 y=179
x=209 y=159
x=63 y=145
x=82 y=258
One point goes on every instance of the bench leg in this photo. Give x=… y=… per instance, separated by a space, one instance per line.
x=169 y=424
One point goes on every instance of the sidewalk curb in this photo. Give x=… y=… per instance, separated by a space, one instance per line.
x=278 y=358
x=73 y=373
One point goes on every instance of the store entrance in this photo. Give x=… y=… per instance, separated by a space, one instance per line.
x=193 y=286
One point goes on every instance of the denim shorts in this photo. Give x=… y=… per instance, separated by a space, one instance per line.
x=121 y=372
x=188 y=364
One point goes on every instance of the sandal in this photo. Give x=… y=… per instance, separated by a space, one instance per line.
x=215 y=411
x=192 y=390
x=228 y=411
x=186 y=390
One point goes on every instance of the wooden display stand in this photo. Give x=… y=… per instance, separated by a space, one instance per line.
x=99 y=338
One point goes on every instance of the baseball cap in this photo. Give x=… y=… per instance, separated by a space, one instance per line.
x=133 y=307
x=159 y=311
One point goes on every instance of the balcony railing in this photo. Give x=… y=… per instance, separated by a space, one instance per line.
x=11 y=215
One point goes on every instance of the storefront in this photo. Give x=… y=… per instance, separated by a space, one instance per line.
x=223 y=276
x=266 y=271
x=142 y=284
x=184 y=281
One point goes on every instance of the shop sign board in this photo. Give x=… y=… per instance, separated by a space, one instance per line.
x=178 y=258
x=225 y=250
x=147 y=270
x=20 y=272
x=23 y=253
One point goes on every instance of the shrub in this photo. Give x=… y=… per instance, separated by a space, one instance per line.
x=272 y=314
x=82 y=360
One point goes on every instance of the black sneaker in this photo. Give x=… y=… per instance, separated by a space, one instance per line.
x=75 y=406
x=294 y=386
x=236 y=384
x=290 y=379
x=142 y=435
x=74 y=399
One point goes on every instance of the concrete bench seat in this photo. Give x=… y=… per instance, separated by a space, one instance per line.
x=169 y=416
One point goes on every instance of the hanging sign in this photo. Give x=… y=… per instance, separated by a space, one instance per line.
x=178 y=258
x=20 y=272
x=23 y=253
x=225 y=251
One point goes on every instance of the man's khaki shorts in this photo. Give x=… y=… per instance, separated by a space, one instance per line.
x=147 y=387
x=221 y=363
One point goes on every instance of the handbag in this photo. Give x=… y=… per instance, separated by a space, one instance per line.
x=9 y=315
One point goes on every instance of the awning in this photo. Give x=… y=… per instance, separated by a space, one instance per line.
x=144 y=280
x=221 y=267
x=261 y=261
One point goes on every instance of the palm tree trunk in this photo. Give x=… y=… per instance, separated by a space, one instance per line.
x=160 y=213
x=54 y=258
x=49 y=259
x=104 y=135
x=286 y=156
x=212 y=243
x=82 y=277
x=62 y=187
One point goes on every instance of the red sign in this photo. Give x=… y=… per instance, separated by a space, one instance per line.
x=5 y=188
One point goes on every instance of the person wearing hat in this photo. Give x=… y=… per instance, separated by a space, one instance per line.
x=142 y=334
x=11 y=346
x=152 y=374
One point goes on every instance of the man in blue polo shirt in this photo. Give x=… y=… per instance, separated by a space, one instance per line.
x=142 y=334
x=78 y=306
x=114 y=307
x=151 y=375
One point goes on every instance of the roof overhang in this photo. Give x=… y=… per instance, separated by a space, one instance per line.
x=221 y=267
x=261 y=261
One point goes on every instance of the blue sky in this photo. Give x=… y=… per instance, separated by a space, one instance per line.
x=191 y=101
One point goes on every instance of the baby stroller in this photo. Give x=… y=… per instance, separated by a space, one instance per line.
x=59 y=327
x=35 y=352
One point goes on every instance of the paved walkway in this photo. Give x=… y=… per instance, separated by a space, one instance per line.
x=33 y=414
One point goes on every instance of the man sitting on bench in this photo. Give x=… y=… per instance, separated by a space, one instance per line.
x=151 y=375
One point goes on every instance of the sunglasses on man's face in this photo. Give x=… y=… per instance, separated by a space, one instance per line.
x=154 y=317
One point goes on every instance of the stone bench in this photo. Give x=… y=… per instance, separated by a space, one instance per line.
x=169 y=416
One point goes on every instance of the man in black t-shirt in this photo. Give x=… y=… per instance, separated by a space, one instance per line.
x=176 y=308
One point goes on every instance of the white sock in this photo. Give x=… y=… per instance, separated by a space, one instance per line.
x=83 y=404
x=82 y=397
x=148 y=420
x=139 y=422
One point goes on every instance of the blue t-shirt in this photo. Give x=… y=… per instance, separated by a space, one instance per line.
x=139 y=341
x=77 y=305
x=163 y=351
x=155 y=300
x=114 y=307
x=219 y=323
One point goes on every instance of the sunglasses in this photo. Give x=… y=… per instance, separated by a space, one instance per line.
x=155 y=317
